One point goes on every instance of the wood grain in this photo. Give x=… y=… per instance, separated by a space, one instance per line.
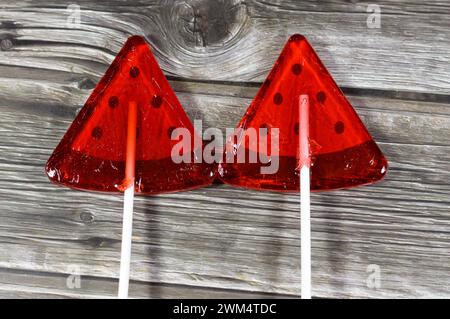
x=29 y=284
x=230 y=238
x=222 y=241
x=239 y=40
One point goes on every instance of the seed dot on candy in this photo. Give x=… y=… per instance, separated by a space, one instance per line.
x=296 y=69
x=134 y=72
x=339 y=127
x=321 y=97
x=297 y=128
x=113 y=101
x=97 y=132
x=156 y=101
x=278 y=98
x=170 y=131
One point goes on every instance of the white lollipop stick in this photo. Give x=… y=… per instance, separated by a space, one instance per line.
x=128 y=200
x=305 y=214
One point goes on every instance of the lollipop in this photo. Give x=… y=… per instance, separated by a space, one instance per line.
x=122 y=140
x=322 y=143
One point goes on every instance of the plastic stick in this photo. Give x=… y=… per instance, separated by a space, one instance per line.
x=305 y=213
x=127 y=226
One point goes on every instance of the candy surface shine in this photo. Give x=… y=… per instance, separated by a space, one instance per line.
x=343 y=154
x=92 y=153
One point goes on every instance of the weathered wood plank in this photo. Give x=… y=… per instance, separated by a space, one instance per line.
x=235 y=239
x=26 y=284
x=238 y=40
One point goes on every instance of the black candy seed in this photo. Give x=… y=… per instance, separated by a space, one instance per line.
x=278 y=99
x=134 y=72
x=113 y=101
x=339 y=127
x=296 y=69
x=296 y=128
x=170 y=131
x=97 y=132
x=157 y=101
x=321 y=97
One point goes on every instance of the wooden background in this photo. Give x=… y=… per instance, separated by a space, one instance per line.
x=222 y=241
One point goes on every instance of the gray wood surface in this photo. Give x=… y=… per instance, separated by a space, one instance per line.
x=222 y=241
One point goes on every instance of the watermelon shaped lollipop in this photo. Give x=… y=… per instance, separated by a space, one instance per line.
x=121 y=140
x=322 y=143
x=92 y=154
x=343 y=154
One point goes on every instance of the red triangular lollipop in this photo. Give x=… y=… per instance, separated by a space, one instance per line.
x=92 y=153
x=343 y=152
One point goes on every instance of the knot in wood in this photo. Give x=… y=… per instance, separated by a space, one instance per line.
x=205 y=23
